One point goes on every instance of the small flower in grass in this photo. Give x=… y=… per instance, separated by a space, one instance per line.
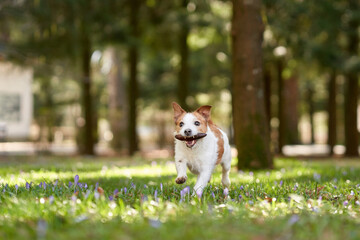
x=352 y=193
x=241 y=187
x=111 y=198
x=27 y=185
x=155 y=196
x=116 y=191
x=293 y=219
x=161 y=187
x=357 y=203
x=251 y=173
x=16 y=187
x=96 y=195
x=145 y=186
x=56 y=182
x=281 y=183
x=240 y=197
x=73 y=198
x=317 y=176
x=70 y=184
x=40 y=184
x=96 y=185
x=87 y=194
x=44 y=185
x=226 y=192
x=251 y=202
x=125 y=190
x=345 y=203
x=199 y=193
x=133 y=185
x=335 y=187
x=213 y=195
x=51 y=199
x=85 y=186
x=76 y=179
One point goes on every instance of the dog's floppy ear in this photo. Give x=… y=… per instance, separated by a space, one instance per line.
x=178 y=111
x=204 y=111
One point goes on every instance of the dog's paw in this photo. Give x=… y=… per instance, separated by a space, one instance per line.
x=180 y=180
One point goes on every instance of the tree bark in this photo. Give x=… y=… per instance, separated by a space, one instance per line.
x=86 y=94
x=352 y=91
x=267 y=86
x=332 y=113
x=251 y=131
x=183 y=80
x=282 y=123
x=291 y=114
x=117 y=101
x=311 y=110
x=133 y=83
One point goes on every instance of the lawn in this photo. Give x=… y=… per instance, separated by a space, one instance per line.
x=102 y=198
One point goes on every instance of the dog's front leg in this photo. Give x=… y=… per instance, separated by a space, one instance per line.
x=203 y=179
x=181 y=171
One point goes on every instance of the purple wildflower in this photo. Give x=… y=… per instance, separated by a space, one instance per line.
x=85 y=186
x=317 y=176
x=96 y=195
x=213 y=195
x=40 y=185
x=352 y=193
x=145 y=186
x=155 y=195
x=251 y=202
x=96 y=186
x=345 y=203
x=295 y=187
x=76 y=179
x=73 y=198
x=56 y=182
x=16 y=187
x=125 y=190
x=111 y=198
x=293 y=219
x=70 y=184
x=199 y=193
x=251 y=173
x=226 y=192
x=281 y=183
x=161 y=186
x=240 y=197
x=116 y=191
x=335 y=187
x=27 y=185
x=241 y=187
x=357 y=203
x=44 y=185
x=51 y=199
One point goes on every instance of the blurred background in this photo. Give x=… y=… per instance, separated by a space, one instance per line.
x=98 y=76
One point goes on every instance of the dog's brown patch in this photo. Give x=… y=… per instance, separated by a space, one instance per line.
x=220 y=143
x=203 y=123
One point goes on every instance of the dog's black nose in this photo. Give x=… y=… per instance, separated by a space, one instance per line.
x=187 y=132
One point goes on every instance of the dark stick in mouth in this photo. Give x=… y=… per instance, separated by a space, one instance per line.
x=195 y=137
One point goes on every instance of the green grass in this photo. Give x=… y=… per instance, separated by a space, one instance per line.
x=296 y=200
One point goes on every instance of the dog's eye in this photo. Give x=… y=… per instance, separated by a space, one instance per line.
x=181 y=124
x=197 y=123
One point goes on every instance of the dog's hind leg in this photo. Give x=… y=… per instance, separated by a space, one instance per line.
x=225 y=180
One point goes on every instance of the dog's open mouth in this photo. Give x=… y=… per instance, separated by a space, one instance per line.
x=190 y=141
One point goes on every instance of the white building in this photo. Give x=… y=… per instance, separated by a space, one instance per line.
x=16 y=101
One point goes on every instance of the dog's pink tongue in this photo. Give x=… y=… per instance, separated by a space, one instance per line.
x=190 y=143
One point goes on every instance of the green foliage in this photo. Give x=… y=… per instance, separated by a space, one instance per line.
x=298 y=199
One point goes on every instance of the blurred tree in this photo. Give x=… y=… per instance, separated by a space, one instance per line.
x=251 y=131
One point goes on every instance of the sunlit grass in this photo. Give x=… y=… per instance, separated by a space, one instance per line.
x=42 y=198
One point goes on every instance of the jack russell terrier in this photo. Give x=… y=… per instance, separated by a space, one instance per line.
x=200 y=145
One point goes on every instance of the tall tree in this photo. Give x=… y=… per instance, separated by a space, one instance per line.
x=332 y=112
x=251 y=131
x=183 y=79
x=133 y=81
x=352 y=85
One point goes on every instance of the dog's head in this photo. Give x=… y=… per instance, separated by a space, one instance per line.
x=190 y=127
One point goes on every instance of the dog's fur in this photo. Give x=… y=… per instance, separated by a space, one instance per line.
x=204 y=154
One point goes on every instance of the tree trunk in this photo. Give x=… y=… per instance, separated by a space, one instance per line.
x=267 y=86
x=251 y=130
x=183 y=80
x=311 y=110
x=281 y=126
x=352 y=90
x=291 y=114
x=133 y=84
x=86 y=94
x=117 y=101
x=332 y=113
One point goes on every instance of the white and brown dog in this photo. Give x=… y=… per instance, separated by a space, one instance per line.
x=200 y=145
